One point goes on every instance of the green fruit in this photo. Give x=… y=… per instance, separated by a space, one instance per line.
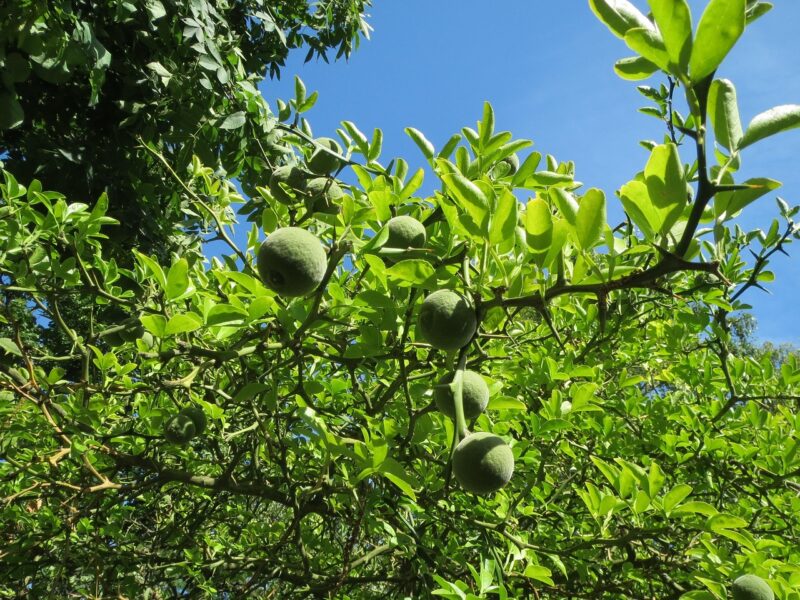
x=323 y=195
x=405 y=232
x=292 y=261
x=133 y=330
x=751 y=587
x=198 y=417
x=483 y=463
x=475 y=395
x=288 y=176
x=447 y=320
x=114 y=339
x=179 y=429
x=322 y=162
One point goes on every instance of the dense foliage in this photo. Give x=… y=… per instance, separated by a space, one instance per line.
x=85 y=83
x=655 y=454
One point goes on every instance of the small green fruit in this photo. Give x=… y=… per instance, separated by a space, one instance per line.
x=287 y=176
x=323 y=195
x=322 y=162
x=292 y=261
x=751 y=587
x=483 y=463
x=405 y=232
x=447 y=320
x=506 y=166
x=179 y=429
x=198 y=417
x=114 y=339
x=133 y=330
x=475 y=395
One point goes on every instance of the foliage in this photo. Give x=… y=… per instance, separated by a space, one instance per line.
x=654 y=456
x=86 y=83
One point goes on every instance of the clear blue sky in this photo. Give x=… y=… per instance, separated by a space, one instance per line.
x=547 y=69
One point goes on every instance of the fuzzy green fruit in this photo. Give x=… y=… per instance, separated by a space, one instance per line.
x=322 y=162
x=179 y=429
x=198 y=417
x=405 y=232
x=323 y=195
x=447 y=320
x=133 y=330
x=114 y=339
x=483 y=463
x=292 y=261
x=475 y=395
x=751 y=587
x=288 y=176
x=507 y=166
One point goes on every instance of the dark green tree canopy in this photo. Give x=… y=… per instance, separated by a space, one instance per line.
x=85 y=83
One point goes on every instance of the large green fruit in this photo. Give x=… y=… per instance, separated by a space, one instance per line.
x=447 y=320
x=475 y=395
x=179 y=429
x=405 y=232
x=198 y=417
x=483 y=463
x=751 y=587
x=292 y=261
x=322 y=162
x=289 y=176
x=323 y=195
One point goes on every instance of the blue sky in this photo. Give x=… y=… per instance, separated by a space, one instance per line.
x=546 y=67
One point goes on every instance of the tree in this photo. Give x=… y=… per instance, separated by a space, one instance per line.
x=86 y=84
x=654 y=457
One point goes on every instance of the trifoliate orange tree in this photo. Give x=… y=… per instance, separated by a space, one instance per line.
x=488 y=391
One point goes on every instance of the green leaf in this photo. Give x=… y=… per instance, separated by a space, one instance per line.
x=221 y=314
x=634 y=68
x=539 y=573
x=421 y=141
x=486 y=126
x=155 y=324
x=566 y=203
x=151 y=267
x=591 y=218
x=720 y=26
x=504 y=219
x=11 y=113
x=696 y=506
x=674 y=20
x=177 y=279
x=506 y=403
x=724 y=521
x=466 y=194
x=675 y=496
x=9 y=346
x=538 y=225
x=183 y=323
x=413 y=271
x=648 y=43
x=619 y=16
x=234 y=121
x=727 y=204
x=666 y=185
x=655 y=480
x=638 y=206
x=775 y=120
x=723 y=110
x=394 y=472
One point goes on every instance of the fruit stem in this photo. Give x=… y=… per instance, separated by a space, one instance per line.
x=457 y=387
